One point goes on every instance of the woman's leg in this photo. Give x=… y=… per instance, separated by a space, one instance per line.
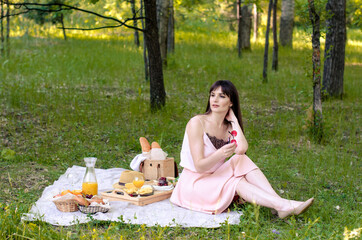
x=257 y=178
x=285 y=207
x=253 y=194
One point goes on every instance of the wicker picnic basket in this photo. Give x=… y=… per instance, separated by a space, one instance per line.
x=66 y=205
x=92 y=209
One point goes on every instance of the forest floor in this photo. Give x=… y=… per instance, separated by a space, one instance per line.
x=61 y=101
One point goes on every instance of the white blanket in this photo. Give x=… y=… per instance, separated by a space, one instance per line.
x=162 y=213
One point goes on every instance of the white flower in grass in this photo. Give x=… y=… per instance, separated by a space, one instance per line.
x=355 y=233
x=337 y=207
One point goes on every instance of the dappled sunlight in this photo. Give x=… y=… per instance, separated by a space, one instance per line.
x=355 y=44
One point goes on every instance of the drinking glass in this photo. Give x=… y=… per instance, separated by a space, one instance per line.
x=138 y=183
x=72 y=179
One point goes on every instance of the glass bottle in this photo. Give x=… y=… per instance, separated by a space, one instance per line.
x=90 y=185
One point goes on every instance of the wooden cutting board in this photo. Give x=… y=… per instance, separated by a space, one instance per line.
x=120 y=195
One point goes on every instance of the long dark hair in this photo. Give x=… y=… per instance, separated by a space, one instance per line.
x=229 y=90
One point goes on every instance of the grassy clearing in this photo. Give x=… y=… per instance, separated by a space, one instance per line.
x=61 y=101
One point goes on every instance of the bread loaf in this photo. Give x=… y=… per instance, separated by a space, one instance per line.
x=81 y=200
x=155 y=145
x=145 y=145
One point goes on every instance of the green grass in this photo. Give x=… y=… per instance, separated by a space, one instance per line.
x=61 y=101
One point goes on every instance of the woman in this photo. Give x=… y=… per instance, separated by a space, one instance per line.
x=209 y=182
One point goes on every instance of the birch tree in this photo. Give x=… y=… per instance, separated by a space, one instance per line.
x=287 y=23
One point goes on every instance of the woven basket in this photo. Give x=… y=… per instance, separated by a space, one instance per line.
x=92 y=209
x=68 y=205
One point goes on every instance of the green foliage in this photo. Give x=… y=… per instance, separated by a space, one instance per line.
x=7 y=154
x=43 y=14
x=354 y=13
x=302 y=13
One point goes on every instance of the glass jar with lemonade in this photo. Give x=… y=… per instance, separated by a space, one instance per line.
x=90 y=185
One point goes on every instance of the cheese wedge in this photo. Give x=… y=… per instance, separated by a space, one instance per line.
x=146 y=190
x=129 y=185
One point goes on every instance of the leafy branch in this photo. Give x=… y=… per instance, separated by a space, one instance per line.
x=65 y=7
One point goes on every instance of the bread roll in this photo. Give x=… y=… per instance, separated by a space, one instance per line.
x=145 y=145
x=96 y=199
x=155 y=145
x=81 y=200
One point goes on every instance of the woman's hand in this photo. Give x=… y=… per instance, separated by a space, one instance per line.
x=228 y=149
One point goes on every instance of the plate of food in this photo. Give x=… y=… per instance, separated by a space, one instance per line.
x=163 y=184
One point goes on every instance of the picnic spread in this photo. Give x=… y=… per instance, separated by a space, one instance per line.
x=136 y=197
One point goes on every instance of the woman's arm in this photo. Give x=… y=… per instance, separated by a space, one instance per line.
x=195 y=133
x=242 y=144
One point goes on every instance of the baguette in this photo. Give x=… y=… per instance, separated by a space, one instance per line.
x=145 y=145
x=155 y=145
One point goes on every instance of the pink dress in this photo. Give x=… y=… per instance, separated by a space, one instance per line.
x=212 y=191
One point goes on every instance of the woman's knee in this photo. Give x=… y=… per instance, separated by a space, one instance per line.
x=242 y=186
x=237 y=158
x=242 y=183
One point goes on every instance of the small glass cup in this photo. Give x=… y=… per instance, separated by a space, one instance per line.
x=72 y=179
x=138 y=183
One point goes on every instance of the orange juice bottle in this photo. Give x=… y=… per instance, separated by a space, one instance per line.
x=90 y=185
x=90 y=188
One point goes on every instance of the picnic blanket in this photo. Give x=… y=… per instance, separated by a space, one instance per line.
x=162 y=213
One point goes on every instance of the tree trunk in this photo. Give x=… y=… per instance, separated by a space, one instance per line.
x=7 y=29
x=317 y=128
x=335 y=48
x=255 y=21
x=164 y=15
x=275 y=37
x=2 y=47
x=136 y=36
x=171 y=30
x=157 y=89
x=145 y=55
x=62 y=22
x=240 y=27
x=287 y=23
x=265 y=68
x=246 y=29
